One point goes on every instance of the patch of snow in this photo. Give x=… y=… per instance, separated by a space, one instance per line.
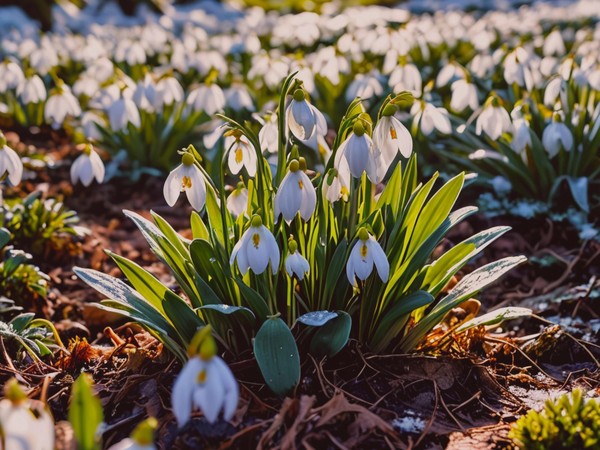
x=411 y=423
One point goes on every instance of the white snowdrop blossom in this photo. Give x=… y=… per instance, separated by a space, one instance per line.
x=336 y=184
x=145 y=94
x=205 y=382
x=238 y=98
x=256 y=249
x=303 y=118
x=25 y=424
x=430 y=117
x=86 y=167
x=406 y=77
x=168 y=91
x=295 y=263
x=11 y=75
x=365 y=254
x=556 y=136
x=364 y=86
x=122 y=112
x=237 y=201
x=186 y=177
x=464 y=94
x=296 y=194
x=391 y=137
x=360 y=154
x=206 y=97
x=59 y=105
x=521 y=136
x=142 y=437
x=241 y=153
x=269 y=134
x=32 y=90
x=10 y=163
x=493 y=120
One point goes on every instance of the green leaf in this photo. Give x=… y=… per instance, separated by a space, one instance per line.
x=199 y=230
x=332 y=337
x=257 y=304
x=317 y=318
x=4 y=237
x=277 y=356
x=227 y=309
x=335 y=268
x=85 y=414
x=496 y=317
x=183 y=318
x=579 y=190
x=20 y=322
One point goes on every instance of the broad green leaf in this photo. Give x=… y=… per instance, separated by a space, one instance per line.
x=85 y=414
x=20 y=322
x=335 y=268
x=4 y=237
x=496 y=317
x=227 y=309
x=199 y=230
x=317 y=318
x=333 y=336
x=257 y=304
x=182 y=316
x=179 y=242
x=579 y=190
x=277 y=356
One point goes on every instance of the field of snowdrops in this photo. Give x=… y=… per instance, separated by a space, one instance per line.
x=228 y=226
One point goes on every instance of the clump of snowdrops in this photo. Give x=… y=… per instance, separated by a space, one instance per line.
x=309 y=259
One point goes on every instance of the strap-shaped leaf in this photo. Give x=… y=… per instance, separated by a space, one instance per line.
x=85 y=414
x=254 y=300
x=317 y=318
x=277 y=356
x=496 y=317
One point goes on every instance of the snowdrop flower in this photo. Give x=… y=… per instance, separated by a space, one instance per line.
x=32 y=90
x=168 y=91
x=60 y=104
x=493 y=120
x=10 y=163
x=556 y=136
x=256 y=248
x=205 y=382
x=296 y=194
x=238 y=98
x=132 y=53
x=123 y=112
x=90 y=121
x=303 y=118
x=237 y=202
x=24 y=424
x=241 y=153
x=366 y=253
x=464 y=94
x=364 y=86
x=295 y=263
x=145 y=94
x=556 y=89
x=86 y=86
x=142 y=437
x=449 y=73
x=269 y=134
x=206 y=97
x=406 y=77
x=521 y=136
x=86 y=167
x=11 y=75
x=391 y=137
x=186 y=177
x=430 y=117
x=554 y=44
x=336 y=185
x=360 y=154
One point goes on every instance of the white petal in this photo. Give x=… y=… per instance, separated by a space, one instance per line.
x=197 y=193
x=97 y=166
x=181 y=397
x=172 y=187
x=381 y=262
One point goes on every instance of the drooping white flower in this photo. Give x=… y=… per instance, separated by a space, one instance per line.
x=32 y=90
x=142 y=437
x=145 y=94
x=269 y=134
x=430 y=117
x=255 y=249
x=493 y=120
x=123 y=112
x=364 y=86
x=449 y=73
x=554 y=44
x=406 y=77
x=237 y=202
x=60 y=104
x=303 y=118
x=86 y=167
x=521 y=136
x=336 y=184
x=366 y=253
x=10 y=163
x=464 y=94
x=168 y=91
x=205 y=382
x=11 y=75
x=186 y=177
x=296 y=194
x=556 y=136
x=391 y=137
x=238 y=98
x=25 y=424
x=241 y=153
x=360 y=154
x=295 y=263
x=206 y=97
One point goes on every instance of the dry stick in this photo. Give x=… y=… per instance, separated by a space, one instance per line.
x=438 y=392
x=585 y=297
x=499 y=341
x=45 y=386
x=244 y=431
x=335 y=442
x=257 y=398
x=6 y=357
x=429 y=423
x=550 y=287
x=474 y=396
